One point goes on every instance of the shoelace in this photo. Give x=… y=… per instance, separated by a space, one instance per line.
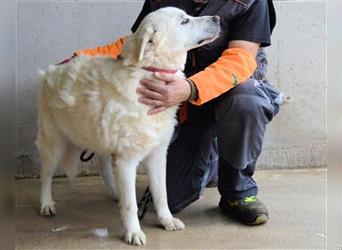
x=249 y=199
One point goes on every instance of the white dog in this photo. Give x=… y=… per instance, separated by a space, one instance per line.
x=91 y=102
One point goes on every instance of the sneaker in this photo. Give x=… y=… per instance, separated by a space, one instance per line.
x=249 y=210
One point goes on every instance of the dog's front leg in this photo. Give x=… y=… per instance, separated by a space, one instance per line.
x=156 y=169
x=105 y=167
x=125 y=174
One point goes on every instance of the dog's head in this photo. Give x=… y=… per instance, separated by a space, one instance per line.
x=164 y=37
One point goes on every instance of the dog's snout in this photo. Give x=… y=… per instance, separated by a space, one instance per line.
x=216 y=19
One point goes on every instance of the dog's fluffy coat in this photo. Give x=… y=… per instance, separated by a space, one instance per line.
x=91 y=102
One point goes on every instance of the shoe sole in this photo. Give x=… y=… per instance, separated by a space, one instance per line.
x=262 y=219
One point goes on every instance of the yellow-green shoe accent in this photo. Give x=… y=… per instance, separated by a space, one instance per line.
x=249 y=210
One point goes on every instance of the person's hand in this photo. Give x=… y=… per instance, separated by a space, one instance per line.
x=165 y=91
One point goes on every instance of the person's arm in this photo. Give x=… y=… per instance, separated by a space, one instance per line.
x=112 y=49
x=247 y=33
x=236 y=64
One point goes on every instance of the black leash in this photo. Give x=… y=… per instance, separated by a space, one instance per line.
x=83 y=157
x=144 y=203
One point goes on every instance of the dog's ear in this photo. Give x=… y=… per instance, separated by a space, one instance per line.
x=147 y=38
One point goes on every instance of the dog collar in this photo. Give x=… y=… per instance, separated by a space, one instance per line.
x=153 y=69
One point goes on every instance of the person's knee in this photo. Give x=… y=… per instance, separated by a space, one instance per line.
x=246 y=107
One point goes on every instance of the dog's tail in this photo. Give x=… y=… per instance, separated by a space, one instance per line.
x=70 y=161
x=42 y=74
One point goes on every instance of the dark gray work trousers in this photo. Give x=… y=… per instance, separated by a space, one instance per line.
x=228 y=131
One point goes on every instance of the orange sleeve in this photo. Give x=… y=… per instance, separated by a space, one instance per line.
x=233 y=67
x=112 y=49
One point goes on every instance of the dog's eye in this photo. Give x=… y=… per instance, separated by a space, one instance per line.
x=185 y=21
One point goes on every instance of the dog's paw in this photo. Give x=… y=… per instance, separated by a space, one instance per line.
x=48 y=210
x=172 y=224
x=135 y=238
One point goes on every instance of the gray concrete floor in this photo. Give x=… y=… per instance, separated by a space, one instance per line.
x=296 y=200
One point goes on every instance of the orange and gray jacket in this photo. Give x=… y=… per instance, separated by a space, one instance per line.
x=213 y=68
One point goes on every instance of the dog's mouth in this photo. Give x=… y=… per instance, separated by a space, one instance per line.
x=206 y=40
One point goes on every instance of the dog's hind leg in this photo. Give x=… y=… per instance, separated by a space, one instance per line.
x=50 y=155
x=155 y=163
x=51 y=146
x=125 y=174
x=105 y=166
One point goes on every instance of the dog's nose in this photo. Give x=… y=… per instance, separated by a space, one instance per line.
x=216 y=19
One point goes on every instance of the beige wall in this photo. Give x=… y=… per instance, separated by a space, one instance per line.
x=48 y=32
